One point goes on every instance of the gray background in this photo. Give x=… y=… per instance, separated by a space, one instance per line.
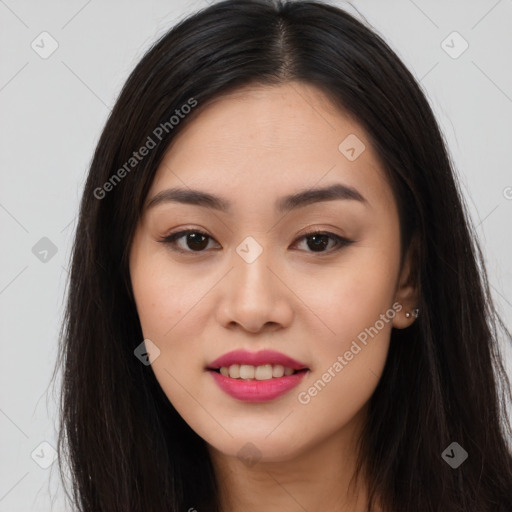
x=54 y=108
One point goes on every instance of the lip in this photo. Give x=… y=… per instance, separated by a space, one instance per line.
x=252 y=390
x=256 y=359
x=257 y=390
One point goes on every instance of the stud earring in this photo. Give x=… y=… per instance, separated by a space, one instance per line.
x=415 y=313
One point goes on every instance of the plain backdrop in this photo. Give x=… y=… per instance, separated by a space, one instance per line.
x=54 y=105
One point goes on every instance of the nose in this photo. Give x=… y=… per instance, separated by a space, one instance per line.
x=254 y=296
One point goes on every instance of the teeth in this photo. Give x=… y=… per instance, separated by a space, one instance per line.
x=246 y=371
x=262 y=372
x=233 y=371
x=277 y=370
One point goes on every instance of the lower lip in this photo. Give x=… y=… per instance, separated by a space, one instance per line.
x=257 y=390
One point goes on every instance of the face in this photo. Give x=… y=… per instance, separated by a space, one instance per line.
x=314 y=277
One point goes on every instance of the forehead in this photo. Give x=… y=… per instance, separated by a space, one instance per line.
x=269 y=141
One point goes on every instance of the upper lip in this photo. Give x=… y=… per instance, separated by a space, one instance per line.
x=256 y=359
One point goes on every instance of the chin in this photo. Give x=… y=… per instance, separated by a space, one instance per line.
x=252 y=449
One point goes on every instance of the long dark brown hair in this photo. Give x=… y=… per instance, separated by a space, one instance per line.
x=121 y=443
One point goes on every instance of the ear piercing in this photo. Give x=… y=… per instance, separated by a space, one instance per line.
x=415 y=313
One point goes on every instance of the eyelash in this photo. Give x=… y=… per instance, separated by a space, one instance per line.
x=173 y=237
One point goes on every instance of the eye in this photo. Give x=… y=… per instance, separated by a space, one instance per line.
x=197 y=241
x=320 y=240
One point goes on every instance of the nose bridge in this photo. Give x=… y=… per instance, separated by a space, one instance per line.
x=253 y=295
x=251 y=271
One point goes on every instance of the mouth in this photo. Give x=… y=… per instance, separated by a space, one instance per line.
x=256 y=376
x=261 y=372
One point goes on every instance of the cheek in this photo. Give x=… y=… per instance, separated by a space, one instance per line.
x=352 y=297
x=172 y=313
x=164 y=297
x=351 y=353
x=165 y=301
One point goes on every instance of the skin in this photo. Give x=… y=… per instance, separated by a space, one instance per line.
x=252 y=147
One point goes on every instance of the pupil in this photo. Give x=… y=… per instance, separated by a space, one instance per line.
x=194 y=238
x=322 y=243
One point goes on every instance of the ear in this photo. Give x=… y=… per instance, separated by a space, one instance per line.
x=407 y=291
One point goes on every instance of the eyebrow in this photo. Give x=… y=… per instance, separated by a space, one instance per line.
x=283 y=204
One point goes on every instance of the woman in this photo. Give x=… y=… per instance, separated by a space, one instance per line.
x=276 y=298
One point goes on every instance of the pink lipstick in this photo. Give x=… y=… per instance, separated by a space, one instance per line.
x=256 y=376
